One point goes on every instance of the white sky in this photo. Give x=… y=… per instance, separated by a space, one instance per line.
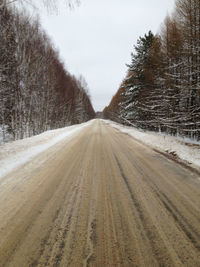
x=96 y=39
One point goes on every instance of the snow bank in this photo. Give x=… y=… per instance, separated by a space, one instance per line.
x=18 y=152
x=185 y=149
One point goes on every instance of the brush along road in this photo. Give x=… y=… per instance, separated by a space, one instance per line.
x=100 y=198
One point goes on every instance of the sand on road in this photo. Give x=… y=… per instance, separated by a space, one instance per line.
x=100 y=199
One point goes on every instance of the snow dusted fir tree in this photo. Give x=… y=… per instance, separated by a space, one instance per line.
x=132 y=108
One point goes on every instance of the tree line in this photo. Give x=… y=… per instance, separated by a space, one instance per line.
x=161 y=91
x=36 y=91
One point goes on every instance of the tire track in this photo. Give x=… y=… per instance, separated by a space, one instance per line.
x=67 y=221
x=186 y=227
x=179 y=218
x=159 y=251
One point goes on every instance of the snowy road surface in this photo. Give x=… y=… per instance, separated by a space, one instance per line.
x=99 y=198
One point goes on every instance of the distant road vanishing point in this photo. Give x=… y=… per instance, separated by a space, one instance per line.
x=100 y=198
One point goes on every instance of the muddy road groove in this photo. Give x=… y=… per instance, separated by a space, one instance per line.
x=100 y=198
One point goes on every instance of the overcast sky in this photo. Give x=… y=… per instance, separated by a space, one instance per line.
x=96 y=39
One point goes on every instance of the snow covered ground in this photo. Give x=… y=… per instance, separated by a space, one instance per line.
x=185 y=149
x=16 y=153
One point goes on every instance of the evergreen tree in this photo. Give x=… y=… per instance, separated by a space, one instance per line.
x=136 y=85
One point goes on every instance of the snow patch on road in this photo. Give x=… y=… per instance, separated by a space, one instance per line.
x=19 y=152
x=186 y=149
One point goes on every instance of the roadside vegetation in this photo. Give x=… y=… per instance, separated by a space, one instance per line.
x=161 y=90
x=37 y=93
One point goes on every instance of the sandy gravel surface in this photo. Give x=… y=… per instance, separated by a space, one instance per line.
x=100 y=199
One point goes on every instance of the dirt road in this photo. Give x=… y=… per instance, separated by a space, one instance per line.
x=100 y=198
